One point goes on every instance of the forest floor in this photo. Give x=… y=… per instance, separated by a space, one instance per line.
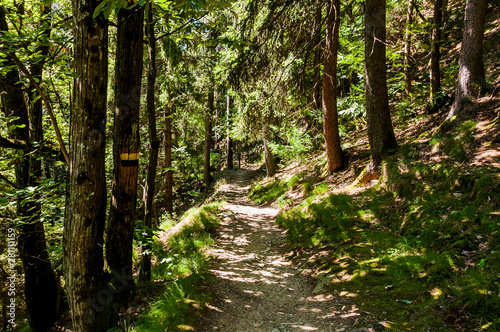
x=255 y=285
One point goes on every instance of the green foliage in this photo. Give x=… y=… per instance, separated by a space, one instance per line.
x=297 y=142
x=455 y=143
x=427 y=237
x=182 y=264
x=264 y=193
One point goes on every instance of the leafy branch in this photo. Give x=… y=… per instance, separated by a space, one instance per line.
x=46 y=102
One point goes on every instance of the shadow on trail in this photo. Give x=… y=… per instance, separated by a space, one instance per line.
x=255 y=287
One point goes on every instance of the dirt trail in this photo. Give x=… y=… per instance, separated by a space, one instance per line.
x=255 y=287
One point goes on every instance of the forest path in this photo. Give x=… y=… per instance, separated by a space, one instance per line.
x=255 y=287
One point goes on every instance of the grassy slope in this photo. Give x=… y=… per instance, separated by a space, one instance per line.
x=421 y=247
x=173 y=300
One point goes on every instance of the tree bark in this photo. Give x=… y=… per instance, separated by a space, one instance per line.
x=471 y=75
x=154 y=143
x=270 y=164
x=169 y=179
x=318 y=51
x=435 y=50
x=380 y=131
x=229 y=140
x=126 y=146
x=208 y=139
x=41 y=286
x=407 y=69
x=330 y=116
x=83 y=263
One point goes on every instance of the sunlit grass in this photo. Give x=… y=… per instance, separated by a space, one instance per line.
x=182 y=266
x=417 y=249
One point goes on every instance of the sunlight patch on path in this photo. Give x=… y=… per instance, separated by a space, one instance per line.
x=255 y=287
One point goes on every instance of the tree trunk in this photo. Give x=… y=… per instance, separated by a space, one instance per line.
x=126 y=146
x=318 y=51
x=471 y=76
x=330 y=117
x=229 y=145
x=154 y=144
x=270 y=164
x=208 y=139
x=41 y=286
x=407 y=71
x=435 y=50
x=169 y=179
x=380 y=131
x=83 y=263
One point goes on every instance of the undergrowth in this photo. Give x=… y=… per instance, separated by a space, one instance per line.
x=420 y=249
x=180 y=274
x=275 y=189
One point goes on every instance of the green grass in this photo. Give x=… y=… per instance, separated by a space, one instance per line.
x=419 y=250
x=264 y=193
x=182 y=267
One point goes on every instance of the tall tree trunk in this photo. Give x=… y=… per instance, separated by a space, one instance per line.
x=154 y=143
x=83 y=263
x=41 y=286
x=229 y=140
x=208 y=139
x=380 y=131
x=126 y=146
x=169 y=179
x=268 y=154
x=407 y=69
x=435 y=50
x=471 y=76
x=318 y=51
x=330 y=117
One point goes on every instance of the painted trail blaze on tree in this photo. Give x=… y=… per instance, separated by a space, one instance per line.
x=126 y=145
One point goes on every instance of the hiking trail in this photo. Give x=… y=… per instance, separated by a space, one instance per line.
x=255 y=286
